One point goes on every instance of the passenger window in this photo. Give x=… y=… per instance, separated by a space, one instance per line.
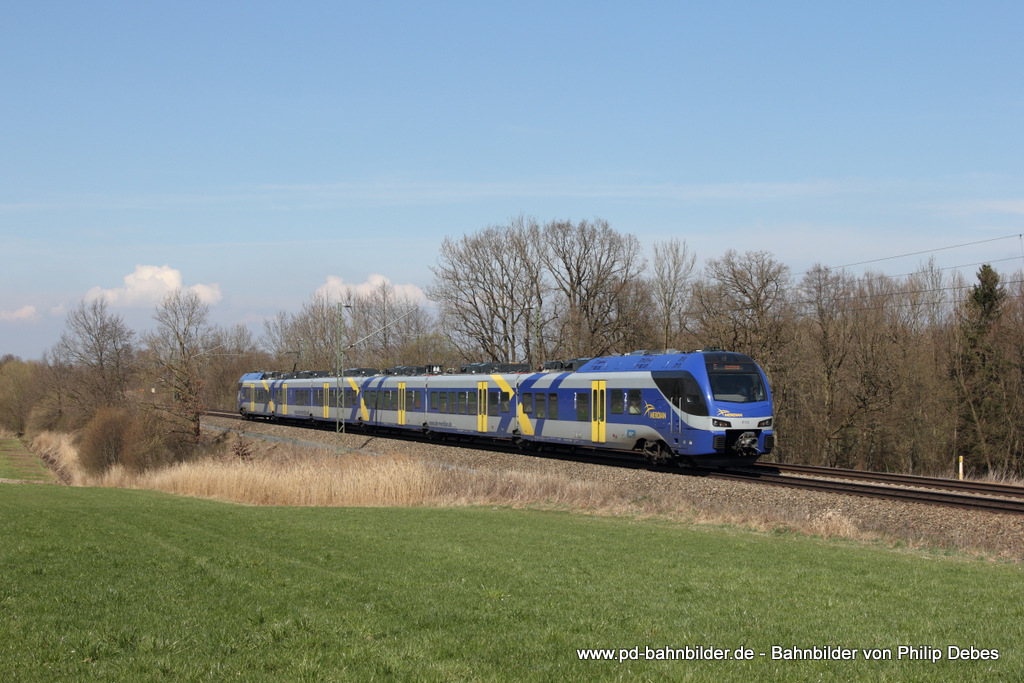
x=541 y=411
x=505 y=398
x=443 y=402
x=552 y=406
x=471 y=403
x=492 y=402
x=615 y=397
x=583 y=406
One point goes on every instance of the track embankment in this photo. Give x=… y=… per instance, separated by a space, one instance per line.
x=711 y=500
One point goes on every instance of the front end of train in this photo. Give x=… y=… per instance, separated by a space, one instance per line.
x=722 y=409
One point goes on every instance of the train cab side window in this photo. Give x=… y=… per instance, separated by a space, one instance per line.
x=615 y=401
x=636 y=402
x=693 y=398
x=682 y=391
x=552 y=406
x=583 y=406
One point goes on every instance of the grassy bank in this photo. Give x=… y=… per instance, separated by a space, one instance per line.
x=17 y=462
x=117 y=584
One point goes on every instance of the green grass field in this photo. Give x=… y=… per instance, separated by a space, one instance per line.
x=131 y=585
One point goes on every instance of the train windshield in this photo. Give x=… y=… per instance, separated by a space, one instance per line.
x=735 y=378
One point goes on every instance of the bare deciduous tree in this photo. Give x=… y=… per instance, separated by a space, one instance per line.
x=97 y=349
x=384 y=328
x=490 y=292
x=742 y=305
x=233 y=352
x=178 y=349
x=594 y=270
x=826 y=297
x=674 y=266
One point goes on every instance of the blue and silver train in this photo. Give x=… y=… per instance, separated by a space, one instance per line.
x=706 y=408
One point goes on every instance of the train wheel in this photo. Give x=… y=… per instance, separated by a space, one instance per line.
x=656 y=453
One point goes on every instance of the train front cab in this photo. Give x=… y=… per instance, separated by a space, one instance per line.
x=721 y=413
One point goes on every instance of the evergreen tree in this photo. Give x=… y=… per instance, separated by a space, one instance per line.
x=978 y=370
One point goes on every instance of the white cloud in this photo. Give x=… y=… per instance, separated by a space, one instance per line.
x=25 y=313
x=148 y=285
x=336 y=289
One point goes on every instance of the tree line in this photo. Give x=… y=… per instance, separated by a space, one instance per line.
x=898 y=373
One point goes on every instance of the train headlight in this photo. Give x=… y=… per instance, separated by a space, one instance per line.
x=765 y=423
x=721 y=423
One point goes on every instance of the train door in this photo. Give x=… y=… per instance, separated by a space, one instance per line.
x=481 y=407
x=598 y=417
x=401 y=404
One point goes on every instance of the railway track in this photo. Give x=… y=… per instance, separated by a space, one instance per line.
x=991 y=497
x=891 y=489
x=913 y=480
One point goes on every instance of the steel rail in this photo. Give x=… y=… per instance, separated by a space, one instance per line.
x=984 y=487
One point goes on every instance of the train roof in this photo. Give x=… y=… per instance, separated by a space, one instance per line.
x=636 y=362
x=654 y=362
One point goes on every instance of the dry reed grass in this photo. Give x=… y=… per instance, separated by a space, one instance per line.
x=282 y=475
x=58 y=451
x=321 y=478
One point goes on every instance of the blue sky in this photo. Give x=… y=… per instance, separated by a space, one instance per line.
x=257 y=151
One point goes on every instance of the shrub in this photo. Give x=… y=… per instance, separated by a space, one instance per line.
x=243 y=447
x=121 y=436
